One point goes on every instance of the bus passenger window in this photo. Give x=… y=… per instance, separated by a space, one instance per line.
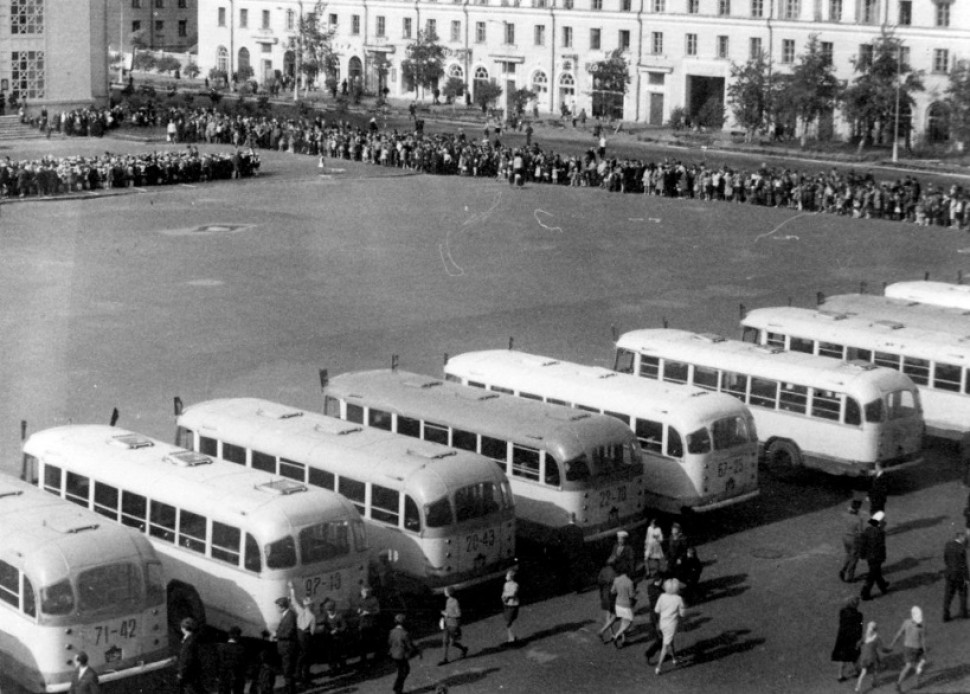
x=675 y=371
x=675 y=445
x=106 y=500
x=322 y=479
x=154 y=583
x=281 y=554
x=551 y=475
x=496 y=449
x=886 y=359
x=650 y=435
x=30 y=469
x=252 y=561
x=355 y=413
x=9 y=584
x=354 y=491
x=700 y=441
x=800 y=344
x=464 y=440
x=412 y=519
x=856 y=354
x=504 y=391
x=436 y=433
x=826 y=404
x=57 y=599
x=764 y=393
x=902 y=404
x=553 y=401
x=30 y=600
x=264 y=461
x=52 y=479
x=293 y=470
x=616 y=415
x=225 y=543
x=379 y=419
x=649 y=367
x=831 y=350
x=577 y=469
x=525 y=462
x=384 y=504
x=874 y=411
x=476 y=384
x=133 y=510
x=853 y=413
x=438 y=513
x=624 y=361
x=946 y=377
x=749 y=334
x=331 y=406
x=793 y=398
x=735 y=384
x=408 y=426
x=208 y=446
x=530 y=396
x=233 y=453
x=730 y=432
x=918 y=370
x=705 y=377
x=776 y=340
x=192 y=531
x=162 y=521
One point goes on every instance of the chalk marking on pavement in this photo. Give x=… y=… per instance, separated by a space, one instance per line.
x=636 y=219
x=786 y=237
x=963 y=250
x=656 y=220
x=444 y=251
x=541 y=657
x=790 y=219
x=543 y=224
x=141 y=190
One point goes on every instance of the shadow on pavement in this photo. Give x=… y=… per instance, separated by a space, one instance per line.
x=721 y=587
x=727 y=643
x=917 y=524
x=927 y=578
x=942 y=677
x=469 y=677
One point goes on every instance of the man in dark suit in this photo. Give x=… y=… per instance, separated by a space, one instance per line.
x=85 y=680
x=878 y=491
x=189 y=673
x=873 y=550
x=955 y=574
x=233 y=664
x=401 y=649
x=286 y=644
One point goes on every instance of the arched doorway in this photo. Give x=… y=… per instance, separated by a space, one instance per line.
x=567 y=91
x=222 y=58
x=938 y=122
x=355 y=72
x=481 y=77
x=243 y=69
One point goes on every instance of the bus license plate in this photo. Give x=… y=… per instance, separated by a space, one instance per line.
x=609 y=497
x=108 y=633
x=318 y=585
x=478 y=541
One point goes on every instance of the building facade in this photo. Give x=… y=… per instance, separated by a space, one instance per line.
x=53 y=53
x=161 y=25
x=680 y=52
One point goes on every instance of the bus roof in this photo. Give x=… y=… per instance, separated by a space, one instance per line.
x=46 y=536
x=902 y=312
x=205 y=485
x=861 y=333
x=556 y=428
x=744 y=357
x=596 y=386
x=925 y=291
x=422 y=468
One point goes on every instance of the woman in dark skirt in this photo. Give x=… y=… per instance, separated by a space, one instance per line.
x=846 y=651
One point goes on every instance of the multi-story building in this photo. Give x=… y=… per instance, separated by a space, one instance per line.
x=680 y=52
x=161 y=25
x=53 y=53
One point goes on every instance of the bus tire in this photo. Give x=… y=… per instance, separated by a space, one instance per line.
x=183 y=601
x=783 y=457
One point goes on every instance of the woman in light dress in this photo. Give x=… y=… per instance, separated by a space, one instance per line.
x=671 y=609
x=653 y=553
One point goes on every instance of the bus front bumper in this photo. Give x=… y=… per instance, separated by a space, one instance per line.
x=112 y=675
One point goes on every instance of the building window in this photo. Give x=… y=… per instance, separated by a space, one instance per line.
x=406 y=28
x=865 y=55
x=756 y=50
x=904 y=56
x=942 y=14
x=243 y=19
x=597 y=4
x=594 y=39
x=266 y=48
x=222 y=59
x=659 y=6
x=222 y=16
x=455 y=30
x=183 y=4
x=355 y=24
x=567 y=4
x=540 y=35
x=835 y=10
x=136 y=4
x=722 y=47
x=479 y=32
x=183 y=28
x=509 y=33
x=136 y=25
x=381 y=27
x=265 y=22
x=827 y=48
x=724 y=7
x=332 y=21
x=626 y=5
x=941 y=60
x=567 y=37
x=159 y=26
x=430 y=29
x=27 y=74
x=694 y=6
x=870 y=11
x=540 y=83
x=657 y=42
x=792 y=9
x=787 y=51
x=905 y=12
x=27 y=17
x=691 y=44
x=290 y=20
x=757 y=8
x=159 y=4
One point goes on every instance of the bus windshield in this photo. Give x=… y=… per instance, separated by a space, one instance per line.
x=730 y=432
x=324 y=541
x=57 y=599
x=615 y=457
x=438 y=513
x=477 y=501
x=105 y=587
x=902 y=404
x=281 y=554
x=577 y=469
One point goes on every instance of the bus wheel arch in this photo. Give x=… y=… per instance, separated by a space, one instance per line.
x=184 y=601
x=783 y=455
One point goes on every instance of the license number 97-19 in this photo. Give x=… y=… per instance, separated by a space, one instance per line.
x=322 y=584
x=608 y=497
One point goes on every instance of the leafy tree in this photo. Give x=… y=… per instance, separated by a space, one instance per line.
x=192 y=70
x=424 y=62
x=870 y=101
x=244 y=72
x=521 y=99
x=312 y=45
x=749 y=95
x=137 y=40
x=168 y=63
x=958 y=101
x=452 y=89
x=812 y=87
x=711 y=114
x=143 y=60
x=610 y=80
x=487 y=93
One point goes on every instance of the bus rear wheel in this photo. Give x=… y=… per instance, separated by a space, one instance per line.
x=783 y=457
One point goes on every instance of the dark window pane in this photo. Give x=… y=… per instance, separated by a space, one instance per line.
x=355 y=413
x=252 y=561
x=465 y=440
x=438 y=514
x=233 y=453
x=192 y=531
x=162 y=521
x=435 y=433
x=412 y=518
x=264 y=461
x=353 y=490
x=293 y=470
x=408 y=426
x=650 y=435
x=208 y=446
x=321 y=478
x=379 y=419
x=384 y=504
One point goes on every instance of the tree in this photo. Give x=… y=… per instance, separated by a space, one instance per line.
x=812 y=87
x=870 y=101
x=137 y=40
x=749 y=94
x=312 y=46
x=143 y=60
x=168 y=63
x=452 y=89
x=521 y=99
x=192 y=70
x=487 y=93
x=610 y=80
x=424 y=62
x=958 y=101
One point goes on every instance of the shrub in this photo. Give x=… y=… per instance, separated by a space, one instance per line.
x=711 y=114
x=678 y=118
x=192 y=70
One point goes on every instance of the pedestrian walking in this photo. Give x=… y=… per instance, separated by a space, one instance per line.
x=870 y=656
x=451 y=625
x=688 y=570
x=653 y=551
x=655 y=588
x=851 y=537
x=85 y=679
x=401 y=649
x=189 y=671
x=878 y=491
x=955 y=574
x=367 y=628
x=671 y=610
x=873 y=550
x=510 y=603
x=334 y=637
x=622 y=558
x=677 y=545
x=625 y=602
x=232 y=663
x=913 y=633
x=604 y=582
x=848 y=640
x=286 y=643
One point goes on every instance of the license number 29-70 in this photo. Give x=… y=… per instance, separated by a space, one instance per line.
x=475 y=541
x=608 y=497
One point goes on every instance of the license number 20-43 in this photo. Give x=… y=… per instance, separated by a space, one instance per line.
x=479 y=540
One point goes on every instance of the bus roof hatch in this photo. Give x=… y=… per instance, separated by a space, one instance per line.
x=132 y=441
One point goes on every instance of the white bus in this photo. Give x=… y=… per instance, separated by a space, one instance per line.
x=444 y=517
x=700 y=449
x=70 y=582
x=927 y=292
x=900 y=313
x=833 y=416
x=569 y=470
x=231 y=539
x=936 y=362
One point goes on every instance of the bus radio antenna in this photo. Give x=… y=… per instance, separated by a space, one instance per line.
x=114 y=416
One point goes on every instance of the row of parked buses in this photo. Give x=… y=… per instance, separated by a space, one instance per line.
x=439 y=477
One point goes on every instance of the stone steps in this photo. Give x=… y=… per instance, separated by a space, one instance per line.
x=12 y=129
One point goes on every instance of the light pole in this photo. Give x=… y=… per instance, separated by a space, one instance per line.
x=299 y=55
x=899 y=80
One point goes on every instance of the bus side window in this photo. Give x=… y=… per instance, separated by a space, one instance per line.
x=408 y=426
x=887 y=359
x=735 y=384
x=322 y=478
x=525 y=462
x=264 y=461
x=675 y=371
x=354 y=491
x=78 y=489
x=856 y=354
x=624 y=361
x=331 y=406
x=355 y=413
x=551 y=475
x=764 y=393
x=496 y=449
x=650 y=435
x=700 y=440
x=649 y=367
x=829 y=349
x=412 y=518
x=476 y=384
x=776 y=340
x=106 y=500
x=853 y=413
x=293 y=470
x=825 y=404
x=464 y=440
x=436 y=433
x=504 y=391
x=225 y=543
x=52 y=479
x=801 y=344
x=918 y=370
x=30 y=469
x=385 y=503
x=749 y=334
x=233 y=453
x=252 y=560
x=133 y=510
x=162 y=521
x=379 y=419
x=946 y=377
x=9 y=584
x=192 y=531
x=530 y=396
x=30 y=600
x=675 y=445
x=208 y=446
x=794 y=398
x=705 y=377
